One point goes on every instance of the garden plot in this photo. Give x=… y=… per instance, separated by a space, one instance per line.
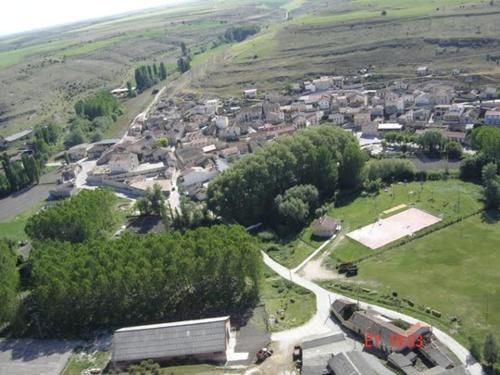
x=390 y=229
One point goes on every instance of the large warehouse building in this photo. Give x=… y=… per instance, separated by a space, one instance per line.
x=201 y=340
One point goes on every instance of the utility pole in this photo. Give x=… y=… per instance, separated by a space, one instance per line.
x=486 y=310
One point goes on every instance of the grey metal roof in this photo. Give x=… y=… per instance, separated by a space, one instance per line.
x=322 y=340
x=170 y=339
x=399 y=360
x=341 y=365
x=356 y=363
x=435 y=355
x=106 y=142
x=15 y=137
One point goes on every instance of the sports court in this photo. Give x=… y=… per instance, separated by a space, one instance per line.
x=392 y=228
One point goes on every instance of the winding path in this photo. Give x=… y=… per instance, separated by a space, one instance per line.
x=321 y=322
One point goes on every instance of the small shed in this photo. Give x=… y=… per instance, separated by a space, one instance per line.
x=325 y=227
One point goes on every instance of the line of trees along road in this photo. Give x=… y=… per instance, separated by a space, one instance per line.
x=142 y=279
x=18 y=174
x=325 y=157
x=9 y=282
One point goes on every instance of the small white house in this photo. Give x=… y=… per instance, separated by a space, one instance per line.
x=250 y=93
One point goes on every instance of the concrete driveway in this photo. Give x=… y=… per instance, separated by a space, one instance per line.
x=34 y=357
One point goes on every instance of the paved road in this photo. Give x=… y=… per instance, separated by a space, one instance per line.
x=322 y=323
x=23 y=200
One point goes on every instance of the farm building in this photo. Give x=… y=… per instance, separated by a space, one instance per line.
x=200 y=340
x=325 y=227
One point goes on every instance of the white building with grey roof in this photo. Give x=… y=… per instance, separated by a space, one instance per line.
x=201 y=340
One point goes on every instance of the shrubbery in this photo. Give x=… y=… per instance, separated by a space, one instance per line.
x=240 y=33
x=389 y=170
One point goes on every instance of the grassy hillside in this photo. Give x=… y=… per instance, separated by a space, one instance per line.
x=43 y=73
x=339 y=37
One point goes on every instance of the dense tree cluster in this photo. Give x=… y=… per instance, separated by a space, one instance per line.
x=18 y=174
x=9 y=282
x=95 y=115
x=101 y=104
x=149 y=75
x=486 y=140
x=88 y=215
x=143 y=279
x=240 y=33
x=325 y=157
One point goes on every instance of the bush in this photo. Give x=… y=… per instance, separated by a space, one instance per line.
x=266 y=236
x=389 y=170
x=434 y=176
x=373 y=186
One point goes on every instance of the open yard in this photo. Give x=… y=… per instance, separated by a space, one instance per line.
x=287 y=304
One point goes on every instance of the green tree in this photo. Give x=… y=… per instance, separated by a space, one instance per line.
x=389 y=170
x=75 y=137
x=90 y=214
x=454 y=150
x=432 y=141
x=9 y=282
x=183 y=49
x=351 y=165
x=156 y=198
x=490 y=350
x=487 y=140
x=491 y=186
x=143 y=78
x=31 y=168
x=163 y=71
x=297 y=205
x=183 y=64
x=101 y=104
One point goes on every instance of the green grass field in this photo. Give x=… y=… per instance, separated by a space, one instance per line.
x=449 y=200
x=287 y=304
x=14 y=229
x=454 y=270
